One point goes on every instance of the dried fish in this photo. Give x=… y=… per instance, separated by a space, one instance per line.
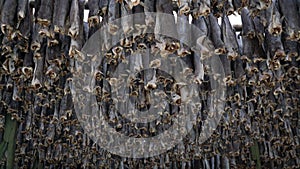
x=103 y=6
x=274 y=46
x=133 y=3
x=218 y=6
x=291 y=18
x=259 y=29
x=22 y=9
x=204 y=9
x=184 y=35
x=274 y=20
x=201 y=23
x=255 y=6
x=36 y=38
x=1 y=4
x=126 y=20
x=198 y=68
x=45 y=11
x=94 y=8
x=215 y=34
x=238 y=5
x=149 y=6
x=229 y=38
x=113 y=14
x=262 y=84
x=248 y=49
x=25 y=27
x=164 y=6
x=184 y=7
x=248 y=26
x=76 y=12
x=76 y=31
x=229 y=7
x=37 y=81
x=8 y=17
x=60 y=13
x=138 y=22
x=290 y=47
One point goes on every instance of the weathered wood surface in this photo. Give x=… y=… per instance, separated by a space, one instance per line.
x=260 y=125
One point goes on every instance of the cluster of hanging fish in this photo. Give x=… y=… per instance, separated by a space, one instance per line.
x=40 y=45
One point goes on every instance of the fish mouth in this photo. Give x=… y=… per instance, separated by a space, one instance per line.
x=232 y=56
x=279 y=54
x=276 y=30
x=113 y=29
x=251 y=34
x=230 y=11
x=43 y=22
x=6 y=29
x=93 y=20
x=185 y=9
x=294 y=36
x=27 y=71
x=220 y=51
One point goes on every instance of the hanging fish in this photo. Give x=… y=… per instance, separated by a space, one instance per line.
x=113 y=15
x=76 y=15
x=205 y=8
x=274 y=20
x=274 y=46
x=149 y=6
x=184 y=7
x=103 y=6
x=8 y=17
x=60 y=15
x=45 y=12
x=291 y=21
x=184 y=35
x=38 y=78
x=229 y=7
x=94 y=11
x=126 y=20
x=229 y=38
x=215 y=34
x=247 y=24
x=22 y=9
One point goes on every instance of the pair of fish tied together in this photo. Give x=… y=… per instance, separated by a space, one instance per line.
x=42 y=50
